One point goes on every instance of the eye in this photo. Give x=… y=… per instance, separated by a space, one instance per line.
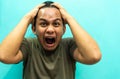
x=56 y=24
x=43 y=24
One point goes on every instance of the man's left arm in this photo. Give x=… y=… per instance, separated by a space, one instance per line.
x=87 y=50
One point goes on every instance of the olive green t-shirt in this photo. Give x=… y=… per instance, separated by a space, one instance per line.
x=41 y=64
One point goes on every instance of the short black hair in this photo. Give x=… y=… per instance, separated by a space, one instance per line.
x=47 y=4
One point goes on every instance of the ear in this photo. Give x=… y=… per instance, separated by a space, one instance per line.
x=33 y=29
x=64 y=29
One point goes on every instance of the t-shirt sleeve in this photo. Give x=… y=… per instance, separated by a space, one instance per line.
x=71 y=46
x=25 y=49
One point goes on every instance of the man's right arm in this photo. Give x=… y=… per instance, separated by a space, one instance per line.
x=9 y=48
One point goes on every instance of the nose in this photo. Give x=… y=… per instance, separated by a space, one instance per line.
x=50 y=29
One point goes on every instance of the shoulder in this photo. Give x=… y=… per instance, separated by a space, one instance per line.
x=29 y=41
x=68 y=41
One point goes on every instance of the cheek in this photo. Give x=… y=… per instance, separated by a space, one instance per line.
x=60 y=32
x=39 y=32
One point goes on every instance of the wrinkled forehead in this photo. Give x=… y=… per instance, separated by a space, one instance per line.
x=49 y=13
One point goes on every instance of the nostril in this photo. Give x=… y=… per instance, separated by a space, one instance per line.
x=50 y=30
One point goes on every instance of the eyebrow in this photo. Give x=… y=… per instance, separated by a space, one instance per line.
x=42 y=19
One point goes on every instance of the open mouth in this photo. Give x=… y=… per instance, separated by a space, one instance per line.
x=50 y=40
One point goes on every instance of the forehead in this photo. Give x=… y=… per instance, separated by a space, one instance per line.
x=49 y=13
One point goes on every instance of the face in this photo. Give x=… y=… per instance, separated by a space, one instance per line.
x=49 y=28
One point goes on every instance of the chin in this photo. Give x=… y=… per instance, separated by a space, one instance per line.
x=50 y=48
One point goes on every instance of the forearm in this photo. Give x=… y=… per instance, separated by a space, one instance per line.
x=87 y=46
x=10 y=45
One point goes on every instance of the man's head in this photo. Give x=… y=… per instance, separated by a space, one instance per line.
x=49 y=26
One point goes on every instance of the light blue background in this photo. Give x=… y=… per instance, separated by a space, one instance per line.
x=100 y=18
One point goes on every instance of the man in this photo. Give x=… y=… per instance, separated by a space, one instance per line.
x=49 y=56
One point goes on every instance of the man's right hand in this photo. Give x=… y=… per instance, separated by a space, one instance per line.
x=10 y=51
x=31 y=15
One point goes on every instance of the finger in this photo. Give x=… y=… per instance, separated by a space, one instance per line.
x=34 y=12
x=62 y=10
x=36 y=9
x=39 y=6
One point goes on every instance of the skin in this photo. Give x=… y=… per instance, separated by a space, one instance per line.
x=9 y=51
x=49 y=25
x=87 y=50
